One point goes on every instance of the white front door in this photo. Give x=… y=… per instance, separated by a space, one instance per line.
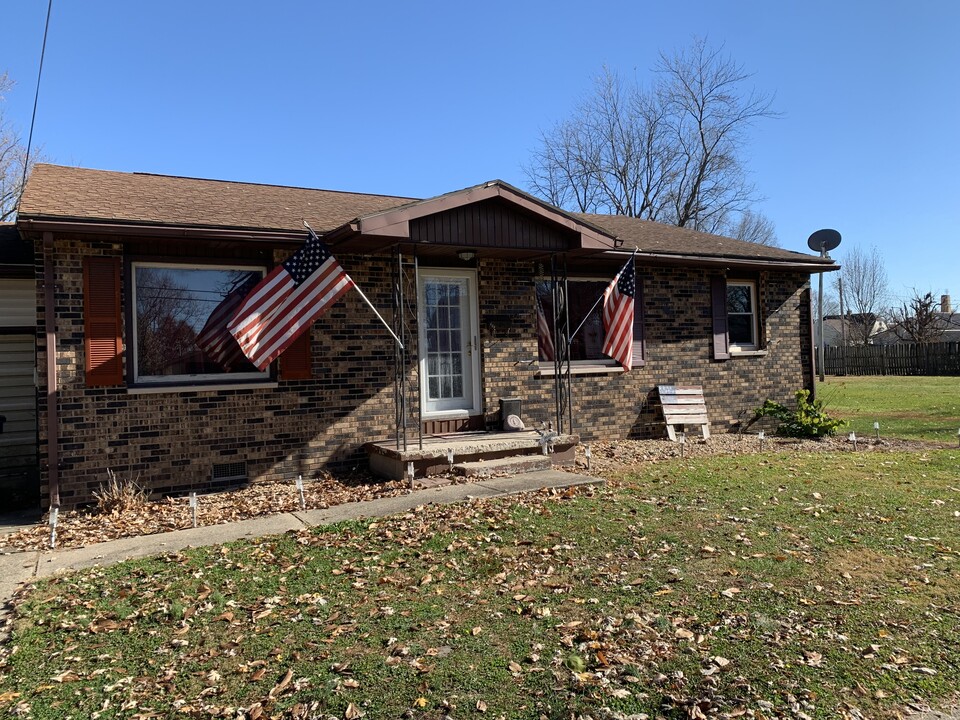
x=449 y=354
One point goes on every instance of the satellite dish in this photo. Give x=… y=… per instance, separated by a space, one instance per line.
x=823 y=241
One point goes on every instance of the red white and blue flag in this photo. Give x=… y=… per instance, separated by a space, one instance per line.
x=287 y=302
x=214 y=339
x=618 y=316
x=547 y=351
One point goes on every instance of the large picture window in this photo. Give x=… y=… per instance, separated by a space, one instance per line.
x=180 y=315
x=587 y=344
x=742 y=314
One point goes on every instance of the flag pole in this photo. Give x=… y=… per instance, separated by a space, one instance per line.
x=366 y=300
x=379 y=317
x=590 y=311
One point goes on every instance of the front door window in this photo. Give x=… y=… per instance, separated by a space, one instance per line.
x=448 y=359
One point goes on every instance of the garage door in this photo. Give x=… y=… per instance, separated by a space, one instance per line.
x=19 y=477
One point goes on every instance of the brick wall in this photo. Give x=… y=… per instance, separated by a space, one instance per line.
x=678 y=352
x=173 y=438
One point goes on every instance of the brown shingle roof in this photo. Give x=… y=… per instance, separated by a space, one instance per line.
x=55 y=191
x=69 y=193
x=654 y=237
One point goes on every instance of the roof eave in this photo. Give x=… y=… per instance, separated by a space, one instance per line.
x=125 y=228
x=729 y=261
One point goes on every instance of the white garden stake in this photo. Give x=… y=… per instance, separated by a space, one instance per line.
x=303 y=502
x=54 y=511
x=958 y=438
x=876 y=428
x=586 y=452
x=682 y=439
x=410 y=472
x=193 y=507
x=760 y=435
x=450 y=458
x=853 y=439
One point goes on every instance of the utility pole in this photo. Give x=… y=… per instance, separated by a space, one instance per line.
x=843 y=329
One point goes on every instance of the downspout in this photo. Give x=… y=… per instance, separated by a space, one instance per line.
x=53 y=417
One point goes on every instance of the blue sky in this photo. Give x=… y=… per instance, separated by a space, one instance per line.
x=420 y=98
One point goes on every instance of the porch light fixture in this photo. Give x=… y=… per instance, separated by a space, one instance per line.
x=466 y=255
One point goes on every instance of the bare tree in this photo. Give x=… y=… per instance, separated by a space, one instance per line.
x=863 y=278
x=670 y=153
x=754 y=227
x=918 y=319
x=13 y=155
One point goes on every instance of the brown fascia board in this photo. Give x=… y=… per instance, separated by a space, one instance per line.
x=740 y=263
x=294 y=238
x=395 y=222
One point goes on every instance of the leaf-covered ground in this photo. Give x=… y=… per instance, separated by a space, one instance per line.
x=87 y=526
x=781 y=585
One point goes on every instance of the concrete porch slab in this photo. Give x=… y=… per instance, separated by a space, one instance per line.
x=391 y=462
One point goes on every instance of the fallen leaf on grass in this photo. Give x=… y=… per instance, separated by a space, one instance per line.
x=353 y=712
x=282 y=685
x=812 y=658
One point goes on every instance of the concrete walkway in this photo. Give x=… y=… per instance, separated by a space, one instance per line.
x=19 y=568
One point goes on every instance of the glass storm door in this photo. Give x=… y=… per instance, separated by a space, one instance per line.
x=449 y=360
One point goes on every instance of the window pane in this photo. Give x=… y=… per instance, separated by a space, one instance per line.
x=587 y=343
x=738 y=299
x=740 y=328
x=181 y=314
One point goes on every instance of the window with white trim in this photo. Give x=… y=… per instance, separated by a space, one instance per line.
x=587 y=345
x=742 y=315
x=179 y=322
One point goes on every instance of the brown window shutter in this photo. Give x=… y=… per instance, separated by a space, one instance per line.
x=295 y=362
x=639 y=339
x=721 y=342
x=102 y=340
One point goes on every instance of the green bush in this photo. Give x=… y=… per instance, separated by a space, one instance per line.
x=808 y=421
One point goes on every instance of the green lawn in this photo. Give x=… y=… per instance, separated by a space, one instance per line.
x=760 y=586
x=921 y=408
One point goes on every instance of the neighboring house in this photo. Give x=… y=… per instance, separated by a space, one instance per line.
x=852 y=328
x=946 y=326
x=134 y=265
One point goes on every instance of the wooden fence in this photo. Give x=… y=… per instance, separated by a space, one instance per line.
x=901 y=359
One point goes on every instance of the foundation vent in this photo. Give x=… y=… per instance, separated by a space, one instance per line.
x=230 y=472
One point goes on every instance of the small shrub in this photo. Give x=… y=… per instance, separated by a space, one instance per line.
x=119 y=495
x=808 y=421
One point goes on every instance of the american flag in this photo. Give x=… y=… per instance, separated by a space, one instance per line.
x=544 y=335
x=287 y=301
x=215 y=340
x=618 y=316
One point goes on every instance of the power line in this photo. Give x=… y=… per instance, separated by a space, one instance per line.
x=36 y=97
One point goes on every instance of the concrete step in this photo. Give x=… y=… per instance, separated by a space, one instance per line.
x=511 y=465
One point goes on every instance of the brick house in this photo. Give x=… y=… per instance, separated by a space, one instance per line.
x=130 y=266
